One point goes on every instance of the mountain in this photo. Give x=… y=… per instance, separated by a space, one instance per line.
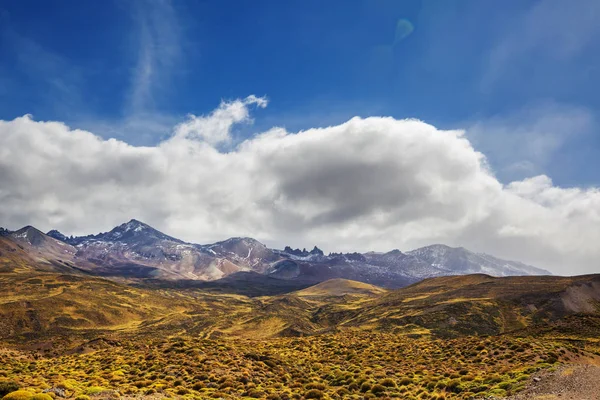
x=245 y=251
x=318 y=268
x=393 y=269
x=460 y=261
x=303 y=253
x=134 y=232
x=30 y=249
x=135 y=250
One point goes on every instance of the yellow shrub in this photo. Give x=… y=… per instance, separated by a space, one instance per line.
x=19 y=395
x=67 y=384
x=42 y=396
x=94 y=390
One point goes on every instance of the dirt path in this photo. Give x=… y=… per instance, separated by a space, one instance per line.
x=569 y=382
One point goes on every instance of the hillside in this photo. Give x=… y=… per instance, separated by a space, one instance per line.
x=459 y=337
x=48 y=303
x=481 y=304
x=340 y=287
x=18 y=255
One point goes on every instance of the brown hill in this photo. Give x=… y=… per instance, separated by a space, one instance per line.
x=46 y=304
x=340 y=287
x=40 y=305
x=480 y=304
x=19 y=254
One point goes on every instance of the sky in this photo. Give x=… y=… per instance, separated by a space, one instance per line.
x=355 y=126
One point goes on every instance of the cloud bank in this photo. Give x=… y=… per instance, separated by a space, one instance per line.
x=367 y=184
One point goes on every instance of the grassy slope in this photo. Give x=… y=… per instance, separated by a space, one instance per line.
x=340 y=287
x=96 y=333
x=43 y=304
x=479 y=304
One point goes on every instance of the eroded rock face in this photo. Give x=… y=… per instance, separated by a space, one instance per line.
x=582 y=298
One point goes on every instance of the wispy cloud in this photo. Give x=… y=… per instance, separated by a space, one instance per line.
x=523 y=143
x=62 y=86
x=158 y=47
x=550 y=32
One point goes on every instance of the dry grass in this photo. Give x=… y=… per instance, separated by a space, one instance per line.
x=342 y=365
x=437 y=340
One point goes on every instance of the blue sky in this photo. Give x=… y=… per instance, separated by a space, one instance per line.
x=237 y=118
x=520 y=76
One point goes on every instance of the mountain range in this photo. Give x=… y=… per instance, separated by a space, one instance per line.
x=137 y=251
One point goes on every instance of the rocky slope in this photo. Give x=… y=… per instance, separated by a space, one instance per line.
x=460 y=261
x=137 y=250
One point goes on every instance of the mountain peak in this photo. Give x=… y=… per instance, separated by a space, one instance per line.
x=241 y=239
x=395 y=251
x=439 y=246
x=133 y=230
x=29 y=234
x=28 y=230
x=134 y=224
x=316 y=251
x=57 y=235
x=303 y=253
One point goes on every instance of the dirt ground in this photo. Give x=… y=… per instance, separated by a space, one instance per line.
x=569 y=382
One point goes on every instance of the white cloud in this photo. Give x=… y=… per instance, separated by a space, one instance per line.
x=216 y=127
x=367 y=184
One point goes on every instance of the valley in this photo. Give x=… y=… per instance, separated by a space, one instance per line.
x=299 y=200
x=71 y=327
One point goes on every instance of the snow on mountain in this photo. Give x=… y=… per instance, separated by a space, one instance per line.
x=460 y=261
x=41 y=247
x=135 y=249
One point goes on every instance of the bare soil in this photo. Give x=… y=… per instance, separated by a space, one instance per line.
x=569 y=382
